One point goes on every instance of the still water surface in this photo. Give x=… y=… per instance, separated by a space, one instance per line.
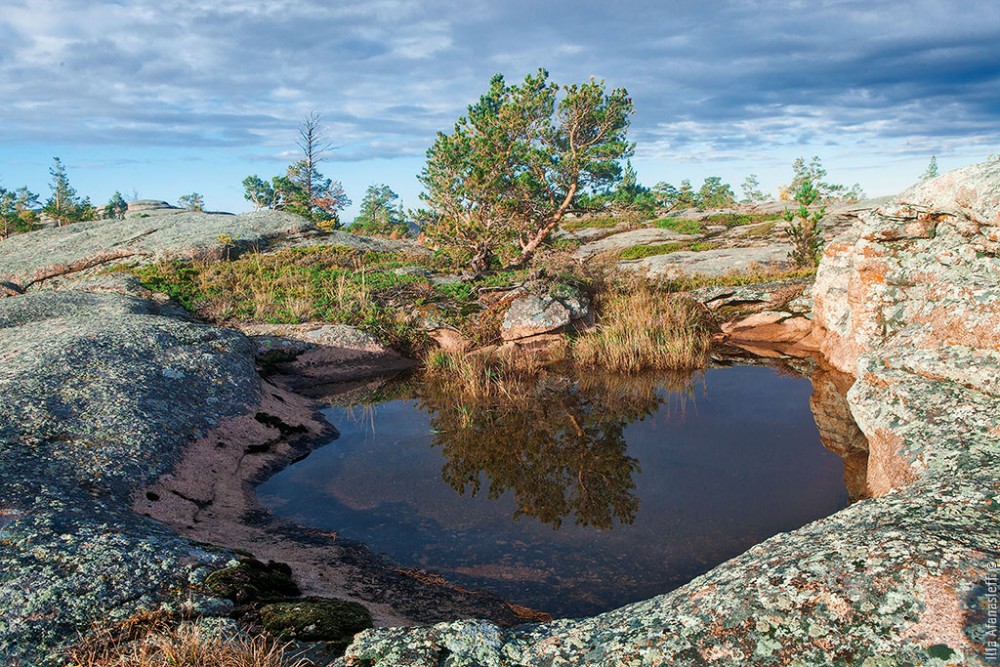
x=586 y=495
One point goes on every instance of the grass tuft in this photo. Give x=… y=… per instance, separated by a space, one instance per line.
x=184 y=646
x=640 y=327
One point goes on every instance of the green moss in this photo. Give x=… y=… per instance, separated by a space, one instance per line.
x=763 y=230
x=252 y=581
x=680 y=225
x=316 y=619
x=740 y=219
x=595 y=222
x=940 y=651
x=641 y=251
x=734 y=279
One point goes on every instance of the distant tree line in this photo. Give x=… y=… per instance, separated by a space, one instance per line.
x=21 y=210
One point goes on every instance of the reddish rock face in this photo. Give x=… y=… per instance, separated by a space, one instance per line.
x=912 y=293
x=837 y=430
x=929 y=260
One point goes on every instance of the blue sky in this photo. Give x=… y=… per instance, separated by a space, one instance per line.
x=165 y=97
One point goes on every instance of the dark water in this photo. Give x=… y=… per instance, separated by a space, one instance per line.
x=581 y=496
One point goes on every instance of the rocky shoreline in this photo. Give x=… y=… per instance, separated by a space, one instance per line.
x=116 y=404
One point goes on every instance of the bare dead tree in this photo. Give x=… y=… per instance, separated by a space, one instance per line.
x=314 y=147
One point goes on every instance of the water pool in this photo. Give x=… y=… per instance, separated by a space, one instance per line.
x=580 y=494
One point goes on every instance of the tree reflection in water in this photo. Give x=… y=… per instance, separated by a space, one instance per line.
x=556 y=443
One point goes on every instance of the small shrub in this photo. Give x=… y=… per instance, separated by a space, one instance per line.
x=803 y=228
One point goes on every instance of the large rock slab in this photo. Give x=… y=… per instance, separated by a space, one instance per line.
x=711 y=263
x=100 y=394
x=622 y=240
x=909 y=302
x=928 y=260
x=27 y=259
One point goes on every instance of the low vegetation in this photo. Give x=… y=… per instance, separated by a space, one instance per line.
x=680 y=225
x=643 y=251
x=591 y=222
x=323 y=283
x=389 y=295
x=640 y=327
x=750 y=276
x=156 y=639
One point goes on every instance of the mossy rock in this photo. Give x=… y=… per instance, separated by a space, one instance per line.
x=316 y=619
x=251 y=580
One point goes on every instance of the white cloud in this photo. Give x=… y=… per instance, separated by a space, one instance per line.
x=710 y=80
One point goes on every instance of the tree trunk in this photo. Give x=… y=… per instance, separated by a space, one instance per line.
x=528 y=249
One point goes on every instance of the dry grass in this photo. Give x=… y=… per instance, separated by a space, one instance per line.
x=184 y=646
x=640 y=327
x=486 y=375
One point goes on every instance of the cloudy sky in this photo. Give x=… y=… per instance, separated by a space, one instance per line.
x=165 y=97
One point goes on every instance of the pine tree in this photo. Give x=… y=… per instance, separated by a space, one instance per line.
x=381 y=213
x=931 y=171
x=302 y=189
x=116 y=206
x=64 y=206
x=518 y=162
x=751 y=190
x=714 y=194
x=803 y=226
x=192 y=202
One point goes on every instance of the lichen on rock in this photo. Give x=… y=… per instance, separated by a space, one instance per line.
x=100 y=394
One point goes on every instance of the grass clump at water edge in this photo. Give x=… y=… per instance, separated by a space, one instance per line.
x=640 y=327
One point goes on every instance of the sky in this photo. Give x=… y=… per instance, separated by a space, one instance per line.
x=161 y=98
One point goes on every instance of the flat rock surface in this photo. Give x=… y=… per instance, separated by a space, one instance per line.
x=116 y=409
x=100 y=393
x=622 y=240
x=717 y=262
